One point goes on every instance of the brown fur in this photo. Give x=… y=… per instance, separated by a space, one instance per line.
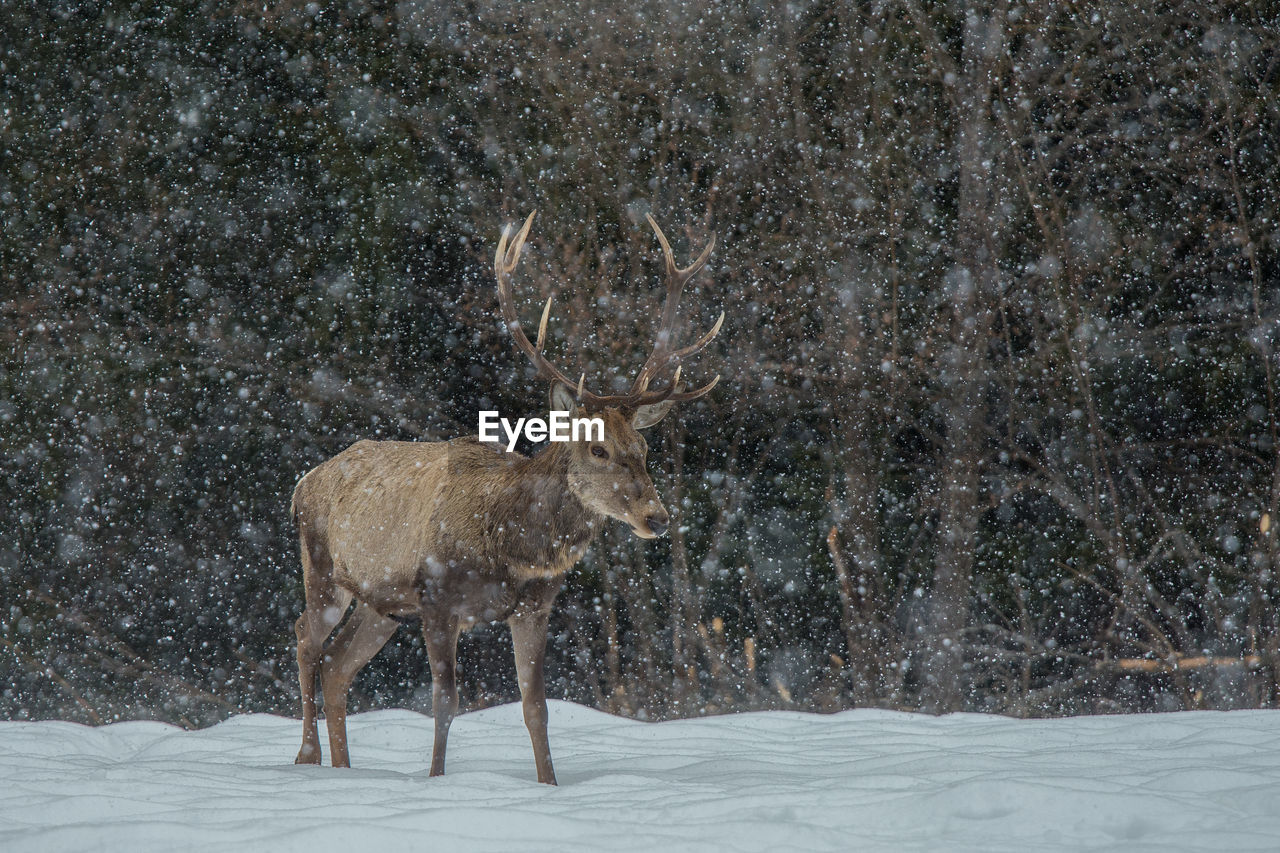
x=454 y=532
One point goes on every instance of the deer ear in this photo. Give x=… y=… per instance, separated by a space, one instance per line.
x=647 y=416
x=562 y=399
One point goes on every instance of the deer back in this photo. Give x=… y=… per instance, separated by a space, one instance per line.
x=392 y=514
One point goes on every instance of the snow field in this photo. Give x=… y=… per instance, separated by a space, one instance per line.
x=861 y=780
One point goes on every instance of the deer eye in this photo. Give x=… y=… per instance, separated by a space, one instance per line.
x=599 y=452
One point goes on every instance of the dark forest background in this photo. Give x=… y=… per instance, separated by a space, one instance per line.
x=998 y=423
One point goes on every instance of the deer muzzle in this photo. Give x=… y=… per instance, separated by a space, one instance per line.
x=658 y=523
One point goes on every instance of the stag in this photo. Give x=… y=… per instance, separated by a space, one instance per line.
x=459 y=532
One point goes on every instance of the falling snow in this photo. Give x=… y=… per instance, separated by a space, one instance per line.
x=997 y=423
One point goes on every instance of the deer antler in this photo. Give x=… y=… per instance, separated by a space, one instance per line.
x=504 y=264
x=660 y=359
x=663 y=356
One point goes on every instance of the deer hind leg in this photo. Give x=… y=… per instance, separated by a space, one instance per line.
x=362 y=637
x=325 y=606
x=442 y=651
x=529 y=639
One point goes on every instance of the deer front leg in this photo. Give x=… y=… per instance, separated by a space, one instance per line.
x=364 y=635
x=529 y=639
x=442 y=652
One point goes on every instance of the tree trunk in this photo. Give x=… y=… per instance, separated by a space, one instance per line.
x=965 y=373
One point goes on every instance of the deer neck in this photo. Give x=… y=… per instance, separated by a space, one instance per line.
x=555 y=527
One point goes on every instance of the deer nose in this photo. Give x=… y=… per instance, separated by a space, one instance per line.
x=658 y=524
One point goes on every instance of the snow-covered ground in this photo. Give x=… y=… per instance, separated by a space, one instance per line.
x=860 y=780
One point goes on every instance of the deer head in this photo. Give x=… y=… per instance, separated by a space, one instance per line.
x=609 y=476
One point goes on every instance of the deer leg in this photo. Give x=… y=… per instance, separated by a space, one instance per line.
x=364 y=635
x=529 y=638
x=442 y=652
x=312 y=627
